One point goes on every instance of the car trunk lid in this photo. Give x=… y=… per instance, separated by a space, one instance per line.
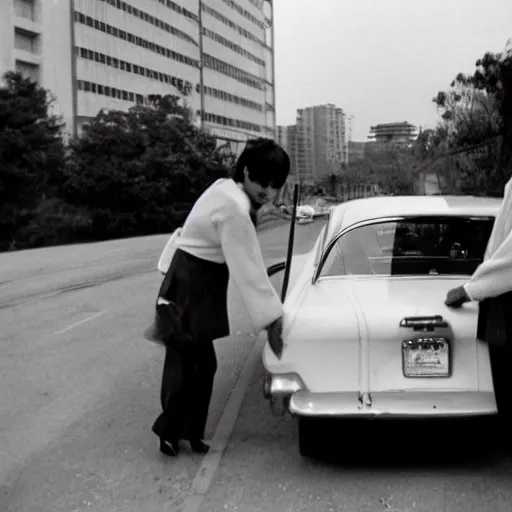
x=383 y=303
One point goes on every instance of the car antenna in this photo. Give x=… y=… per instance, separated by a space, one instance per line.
x=290 y=243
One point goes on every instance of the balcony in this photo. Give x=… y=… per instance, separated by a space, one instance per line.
x=27 y=41
x=27 y=15
x=27 y=46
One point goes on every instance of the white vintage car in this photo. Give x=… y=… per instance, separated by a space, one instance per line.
x=305 y=214
x=366 y=330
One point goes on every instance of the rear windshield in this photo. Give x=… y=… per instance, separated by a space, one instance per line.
x=413 y=246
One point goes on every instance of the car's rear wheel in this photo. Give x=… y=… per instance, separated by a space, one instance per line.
x=306 y=436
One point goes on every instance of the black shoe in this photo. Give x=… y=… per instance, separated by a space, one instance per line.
x=198 y=446
x=168 y=448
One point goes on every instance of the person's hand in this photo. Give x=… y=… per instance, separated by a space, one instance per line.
x=275 y=337
x=456 y=297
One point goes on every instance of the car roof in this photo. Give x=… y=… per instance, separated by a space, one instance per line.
x=360 y=210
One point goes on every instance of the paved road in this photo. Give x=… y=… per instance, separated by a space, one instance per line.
x=79 y=391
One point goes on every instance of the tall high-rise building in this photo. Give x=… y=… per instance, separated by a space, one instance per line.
x=320 y=142
x=111 y=54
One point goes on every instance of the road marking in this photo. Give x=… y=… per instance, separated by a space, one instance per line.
x=211 y=462
x=76 y=324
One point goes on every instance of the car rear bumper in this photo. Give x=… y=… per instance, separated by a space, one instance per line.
x=393 y=405
x=287 y=393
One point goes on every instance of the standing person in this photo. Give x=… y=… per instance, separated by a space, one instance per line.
x=491 y=286
x=218 y=241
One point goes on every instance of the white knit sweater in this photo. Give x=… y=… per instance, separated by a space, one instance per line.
x=493 y=277
x=219 y=229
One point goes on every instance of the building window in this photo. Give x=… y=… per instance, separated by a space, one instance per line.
x=257 y=3
x=79 y=17
x=236 y=48
x=112 y=92
x=184 y=86
x=144 y=16
x=244 y=12
x=233 y=72
x=28 y=70
x=25 y=9
x=231 y=98
x=242 y=31
x=234 y=123
x=26 y=41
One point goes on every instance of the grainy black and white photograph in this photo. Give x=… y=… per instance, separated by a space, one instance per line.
x=255 y=256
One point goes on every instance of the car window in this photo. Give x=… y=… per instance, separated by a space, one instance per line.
x=413 y=246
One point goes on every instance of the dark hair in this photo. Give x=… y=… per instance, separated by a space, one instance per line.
x=268 y=163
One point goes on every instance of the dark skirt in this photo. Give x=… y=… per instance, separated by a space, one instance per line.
x=199 y=290
x=495 y=320
x=495 y=328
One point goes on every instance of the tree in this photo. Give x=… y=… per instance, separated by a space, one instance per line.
x=494 y=76
x=390 y=166
x=139 y=172
x=470 y=115
x=31 y=153
x=475 y=134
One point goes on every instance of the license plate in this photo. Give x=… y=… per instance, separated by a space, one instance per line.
x=426 y=357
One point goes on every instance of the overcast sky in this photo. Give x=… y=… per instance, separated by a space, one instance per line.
x=380 y=60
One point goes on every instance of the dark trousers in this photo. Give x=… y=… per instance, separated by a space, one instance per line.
x=501 y=364
x=199 y=289
x=187 y=385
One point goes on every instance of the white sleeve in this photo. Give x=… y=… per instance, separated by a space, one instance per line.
x=168 y=252
x=244 y=259
x=467 y=292
x=501 y=224
x=494 y=276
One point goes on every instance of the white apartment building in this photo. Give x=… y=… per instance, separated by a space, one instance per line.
x=111 y=54
x=238 y=68
x=42 y=51
x=316 y=142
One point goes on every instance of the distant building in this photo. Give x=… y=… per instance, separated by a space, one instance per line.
x=320 y=142
x=316 y=143
x=287 y=138
x=356 y=151
x=393 y=133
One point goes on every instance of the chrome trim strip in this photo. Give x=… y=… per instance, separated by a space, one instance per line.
x=395 y=404
x=363 y=343
x=366 y=277
x=304 y=403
